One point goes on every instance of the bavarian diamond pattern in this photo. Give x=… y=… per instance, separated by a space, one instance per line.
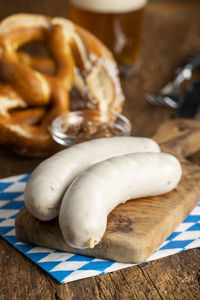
x=66 y=267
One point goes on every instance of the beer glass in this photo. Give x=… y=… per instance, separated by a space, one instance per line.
x=117 y=23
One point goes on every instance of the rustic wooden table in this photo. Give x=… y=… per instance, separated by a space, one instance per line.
x=171 y=30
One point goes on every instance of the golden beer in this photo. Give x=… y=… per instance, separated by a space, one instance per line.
x=116 y=22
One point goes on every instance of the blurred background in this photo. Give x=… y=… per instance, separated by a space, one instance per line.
x=60 y=7
x=170 y=31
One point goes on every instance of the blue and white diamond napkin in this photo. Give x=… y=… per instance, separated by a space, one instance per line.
x=66 y=267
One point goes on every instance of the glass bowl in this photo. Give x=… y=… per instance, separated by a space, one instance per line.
x=80 y=126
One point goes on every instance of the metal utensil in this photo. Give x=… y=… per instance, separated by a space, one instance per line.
x=170 y=95
x=190 y=104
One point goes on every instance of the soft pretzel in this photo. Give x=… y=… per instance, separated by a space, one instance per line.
x=30 y=99
x=39 y=63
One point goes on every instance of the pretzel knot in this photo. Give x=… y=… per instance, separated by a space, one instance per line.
x=31 y=97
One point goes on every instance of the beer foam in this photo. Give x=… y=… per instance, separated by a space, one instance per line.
x=110 y=6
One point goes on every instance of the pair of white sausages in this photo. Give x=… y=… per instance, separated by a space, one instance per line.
x=92 y=178
x=51 y=178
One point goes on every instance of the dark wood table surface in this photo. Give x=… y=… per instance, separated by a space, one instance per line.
x=171 y=30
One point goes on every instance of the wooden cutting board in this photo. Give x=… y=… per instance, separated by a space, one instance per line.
x=137 y=228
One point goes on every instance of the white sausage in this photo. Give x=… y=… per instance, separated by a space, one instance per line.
x=97 y=191
x=49 y=181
